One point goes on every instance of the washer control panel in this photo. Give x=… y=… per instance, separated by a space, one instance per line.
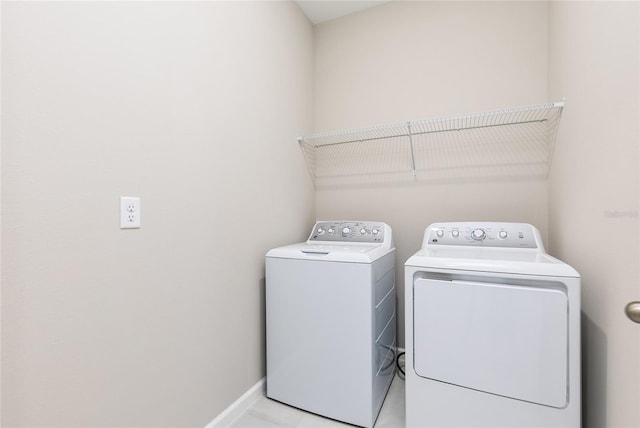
x=348 y=231
x=485 y=234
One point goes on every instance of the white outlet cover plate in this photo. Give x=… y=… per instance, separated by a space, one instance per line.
x=129 y=212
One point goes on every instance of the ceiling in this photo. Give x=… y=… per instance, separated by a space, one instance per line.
x=319 y=11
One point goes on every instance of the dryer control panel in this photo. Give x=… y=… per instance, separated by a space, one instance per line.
x=348 y=231
x=483 y=234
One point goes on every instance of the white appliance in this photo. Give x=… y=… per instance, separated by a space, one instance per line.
x=331 y=323
x=492 y=330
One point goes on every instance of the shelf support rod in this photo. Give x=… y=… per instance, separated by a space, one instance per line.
x=413 y=159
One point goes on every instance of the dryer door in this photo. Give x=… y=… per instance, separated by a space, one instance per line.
x=508 y=340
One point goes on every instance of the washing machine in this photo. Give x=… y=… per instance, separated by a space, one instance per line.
x=492 y=330
x=331 y=321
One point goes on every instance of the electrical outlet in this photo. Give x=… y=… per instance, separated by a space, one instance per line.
x=129 y=212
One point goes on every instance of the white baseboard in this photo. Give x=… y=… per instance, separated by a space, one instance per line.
x=239 y=406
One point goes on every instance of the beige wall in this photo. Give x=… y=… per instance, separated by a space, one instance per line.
x=417 y=60
x=194 y=107
x=593 y=189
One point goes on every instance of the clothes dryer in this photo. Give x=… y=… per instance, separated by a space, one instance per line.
x=492 y=330
x=331 y=323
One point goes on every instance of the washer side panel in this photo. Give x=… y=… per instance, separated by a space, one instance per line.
x=319 y=337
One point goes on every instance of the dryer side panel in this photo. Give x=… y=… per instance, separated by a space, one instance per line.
x=508 y=340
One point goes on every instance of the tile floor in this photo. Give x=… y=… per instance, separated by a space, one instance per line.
x=268 y=413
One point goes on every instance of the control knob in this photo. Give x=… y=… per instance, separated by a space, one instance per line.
x=363 y=231
x=478 y=234
x=321 y=231
x=346 y=231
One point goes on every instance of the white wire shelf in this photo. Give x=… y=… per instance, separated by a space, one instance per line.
x=507 y=143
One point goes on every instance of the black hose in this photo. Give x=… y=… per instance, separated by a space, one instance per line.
x=398 y=363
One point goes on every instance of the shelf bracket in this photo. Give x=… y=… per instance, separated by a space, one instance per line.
x=413 y=158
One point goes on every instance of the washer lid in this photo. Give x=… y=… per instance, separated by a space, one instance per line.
x=514 y=261
x=353 y=253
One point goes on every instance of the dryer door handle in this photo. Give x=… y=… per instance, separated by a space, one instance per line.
x=633 y=311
